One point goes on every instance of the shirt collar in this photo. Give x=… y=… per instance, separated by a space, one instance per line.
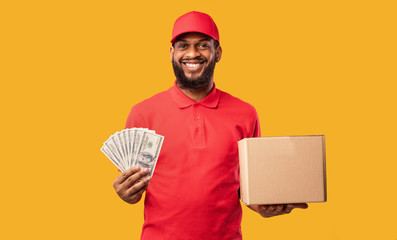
x=183 y=101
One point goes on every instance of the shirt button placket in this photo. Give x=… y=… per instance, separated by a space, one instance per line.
x=198 y=126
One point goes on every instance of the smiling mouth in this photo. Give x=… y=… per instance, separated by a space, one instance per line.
x=193 y=66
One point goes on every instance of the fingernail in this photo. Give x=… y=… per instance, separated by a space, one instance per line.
x=145 y=170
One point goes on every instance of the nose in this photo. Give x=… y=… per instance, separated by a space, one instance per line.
x=192 y=52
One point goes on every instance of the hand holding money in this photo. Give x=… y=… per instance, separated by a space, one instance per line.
x=131 y=184
x=133 y=147
x=135 y=152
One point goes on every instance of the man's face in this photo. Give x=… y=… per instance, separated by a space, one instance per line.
x=193 y=58
x=146 y=159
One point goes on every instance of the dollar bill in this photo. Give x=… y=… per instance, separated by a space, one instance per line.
x=149 y=150
x=133 y=147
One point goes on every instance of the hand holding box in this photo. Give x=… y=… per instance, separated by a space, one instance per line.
x=282 y=170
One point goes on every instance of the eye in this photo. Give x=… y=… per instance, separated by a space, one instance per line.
x=204 y=45
x=182 y=45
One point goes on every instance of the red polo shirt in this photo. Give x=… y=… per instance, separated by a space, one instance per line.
x=194 y=190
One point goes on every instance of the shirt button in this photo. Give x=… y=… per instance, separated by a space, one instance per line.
x=196 y=117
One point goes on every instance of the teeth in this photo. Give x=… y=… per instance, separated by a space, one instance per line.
x=192 y=65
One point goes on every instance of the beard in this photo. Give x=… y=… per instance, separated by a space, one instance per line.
x=199 y=82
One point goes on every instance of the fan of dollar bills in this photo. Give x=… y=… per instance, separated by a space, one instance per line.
x=133 y=147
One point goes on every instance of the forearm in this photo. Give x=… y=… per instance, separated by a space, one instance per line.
x=275 y=210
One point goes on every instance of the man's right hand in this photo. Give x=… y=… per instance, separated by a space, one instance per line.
x=130 y=185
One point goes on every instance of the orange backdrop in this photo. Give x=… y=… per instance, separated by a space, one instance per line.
x=71 y=71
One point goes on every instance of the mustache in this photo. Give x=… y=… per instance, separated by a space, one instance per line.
x=190 y=59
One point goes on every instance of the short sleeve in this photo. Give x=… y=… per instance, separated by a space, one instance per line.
x=135 y=119
x=256 y=126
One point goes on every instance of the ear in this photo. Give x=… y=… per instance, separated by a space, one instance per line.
x=171 y=52
x=218 y=53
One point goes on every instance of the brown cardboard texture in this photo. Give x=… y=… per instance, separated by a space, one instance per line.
x=278 y=170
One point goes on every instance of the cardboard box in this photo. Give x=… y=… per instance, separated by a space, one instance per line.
x=278 y=170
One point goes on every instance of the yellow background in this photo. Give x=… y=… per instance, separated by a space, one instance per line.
x=71 y=70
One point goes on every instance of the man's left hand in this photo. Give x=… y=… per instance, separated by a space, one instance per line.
x=275 y=210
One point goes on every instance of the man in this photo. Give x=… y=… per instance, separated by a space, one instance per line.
x=194 y=193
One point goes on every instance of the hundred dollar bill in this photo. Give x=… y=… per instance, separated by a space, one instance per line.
x=148 y=151
x=114 y=145
x=137 y=143
x=129 y=143
x=122 y=146
x=133 y=147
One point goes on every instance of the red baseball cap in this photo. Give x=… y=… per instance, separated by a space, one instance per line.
x=195 y=22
